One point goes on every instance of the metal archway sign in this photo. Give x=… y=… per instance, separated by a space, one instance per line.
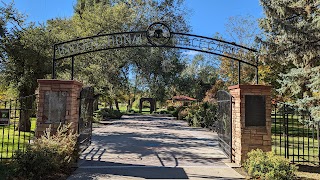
x=158 y=34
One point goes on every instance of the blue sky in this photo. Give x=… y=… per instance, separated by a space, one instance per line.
x=206 y=16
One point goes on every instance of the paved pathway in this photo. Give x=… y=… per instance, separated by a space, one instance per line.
x=147 y=147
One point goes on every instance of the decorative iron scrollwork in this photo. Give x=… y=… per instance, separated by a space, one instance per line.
x=158 y=34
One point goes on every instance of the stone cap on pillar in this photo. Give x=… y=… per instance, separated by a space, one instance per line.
x=56 y=81
x=255 y=86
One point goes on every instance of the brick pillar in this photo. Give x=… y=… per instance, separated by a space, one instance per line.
x=58 y=103
x=256 y=132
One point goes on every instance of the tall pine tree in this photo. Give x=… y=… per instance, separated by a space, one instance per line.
x=292 y=41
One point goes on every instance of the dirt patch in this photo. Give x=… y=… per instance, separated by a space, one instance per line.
x=308 y=172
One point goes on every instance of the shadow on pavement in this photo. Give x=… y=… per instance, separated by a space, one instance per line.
x=110 y=169
x=150 y=148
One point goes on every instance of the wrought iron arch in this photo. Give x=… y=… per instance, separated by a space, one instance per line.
x=157 y=35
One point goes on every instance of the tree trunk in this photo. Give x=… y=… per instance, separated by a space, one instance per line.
x=24 y=121
x=117 y=104
x=96 y=104
x=130 y=103
x=128 y=106
x=110 y=105
x=25 y=113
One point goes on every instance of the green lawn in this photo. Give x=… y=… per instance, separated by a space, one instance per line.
x=123 y=109
x=11 y=139
x=299 y=150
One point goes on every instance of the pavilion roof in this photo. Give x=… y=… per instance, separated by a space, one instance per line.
x=183 y=98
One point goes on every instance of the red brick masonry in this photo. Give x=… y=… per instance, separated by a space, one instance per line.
x=245 y=138
x=72 y=88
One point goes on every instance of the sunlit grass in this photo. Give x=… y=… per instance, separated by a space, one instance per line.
x=301 y=139
x=12 y=140
x=299 y=148
x=123 y=109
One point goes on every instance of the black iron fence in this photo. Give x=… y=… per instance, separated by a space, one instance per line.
x=17 y=125
x=85 y=117
x=224 y=122
x=295 y=135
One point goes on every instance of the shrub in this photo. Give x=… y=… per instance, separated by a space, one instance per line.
x=163 y=112
x=35 y=163
x=202 y=115
x=109 y=114
x=5 y=170
x=96 y=117
x=160 y=112
x=48 y=156
x=175 y=113
x=267 y=165
x=182 y=114
x=171 y=108
x=132 y=111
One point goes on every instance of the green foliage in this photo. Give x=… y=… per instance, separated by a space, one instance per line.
x=171 y=108
x=202 y=115
x=182 y=114
x=177 y=110
x=197 y=77
x=164 y=112
x=35 y=163
x=133 y=111
x=10 y=20
x=161 y=112
x=107 y=113
x=5 y=170
x=25 y=52
x=48 y=156
x=27 y=49
x=110 y=72
x=292 y=48
x=267 y=165
x=96 y=117
x=242 y=30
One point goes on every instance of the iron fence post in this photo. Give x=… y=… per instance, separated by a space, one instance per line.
x=72 y=67
x=318 y=132
x=231 y=128
x=257 y=70
x=282 y=132
x=287 y=133
x=275 y=127
x=239 y=72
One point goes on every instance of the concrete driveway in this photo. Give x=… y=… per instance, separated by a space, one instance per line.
x=147 y=147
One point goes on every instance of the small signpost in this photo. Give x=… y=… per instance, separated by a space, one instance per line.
x=4 y=117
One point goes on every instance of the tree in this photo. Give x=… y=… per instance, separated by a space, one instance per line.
x=197 y=78
x=27 y=60
x=243 y=31
x=24 y=56
x=293 y=42
x=110 y=70
x=107 y=71
x=8 y=15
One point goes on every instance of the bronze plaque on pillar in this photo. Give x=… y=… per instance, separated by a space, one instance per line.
x=255 y=110
x=54 y=109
